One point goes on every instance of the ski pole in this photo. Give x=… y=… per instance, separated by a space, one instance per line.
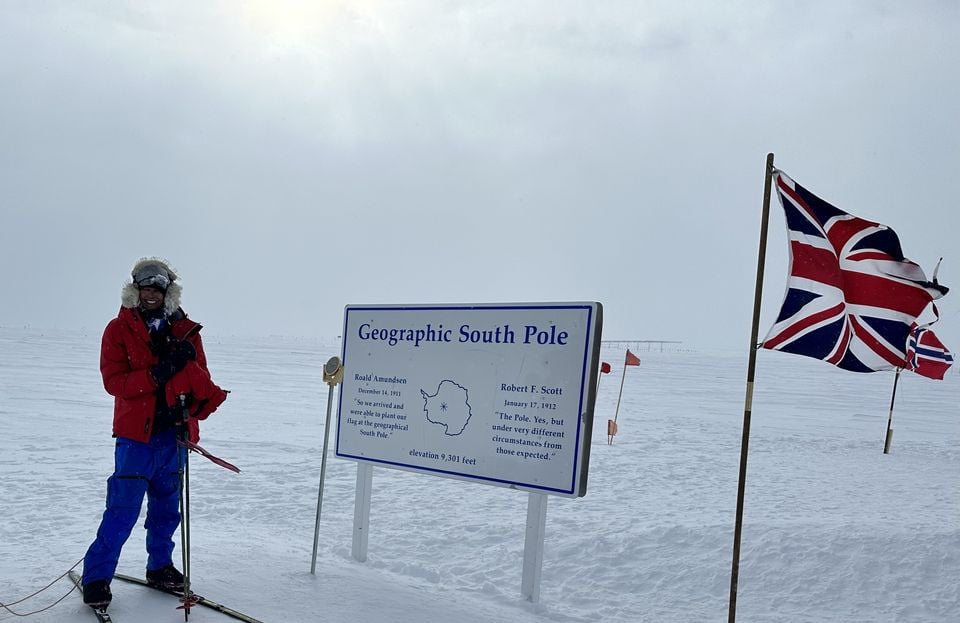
x=332 y=375
x=185 y=503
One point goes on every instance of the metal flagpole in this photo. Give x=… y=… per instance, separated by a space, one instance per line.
x=597 y=396
x=620 y=395
x=332 y=375
x=748 y=399
x=889 y=438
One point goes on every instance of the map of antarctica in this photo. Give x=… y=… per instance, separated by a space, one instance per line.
x=448 y=407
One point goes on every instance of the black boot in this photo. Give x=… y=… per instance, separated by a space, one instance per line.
x=97 y=594
x=165 y=577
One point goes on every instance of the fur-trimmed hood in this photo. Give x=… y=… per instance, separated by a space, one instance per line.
x=130 y=295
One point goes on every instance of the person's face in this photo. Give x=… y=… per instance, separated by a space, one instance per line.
x=151 y=298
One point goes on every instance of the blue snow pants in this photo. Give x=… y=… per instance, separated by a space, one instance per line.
x=140 y=468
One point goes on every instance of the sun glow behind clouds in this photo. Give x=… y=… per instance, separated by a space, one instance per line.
x=288 y=24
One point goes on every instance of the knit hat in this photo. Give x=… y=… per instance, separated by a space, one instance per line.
x=156 y=273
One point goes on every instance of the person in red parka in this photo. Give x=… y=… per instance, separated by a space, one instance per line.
x=151 y=354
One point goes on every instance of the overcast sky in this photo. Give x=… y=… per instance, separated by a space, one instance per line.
x=290 y=158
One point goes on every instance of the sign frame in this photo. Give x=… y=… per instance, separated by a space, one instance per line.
x=568 y=358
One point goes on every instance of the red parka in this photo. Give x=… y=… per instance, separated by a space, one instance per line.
x=125 y=361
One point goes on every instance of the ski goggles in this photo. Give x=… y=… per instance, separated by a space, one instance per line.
x=152 y=276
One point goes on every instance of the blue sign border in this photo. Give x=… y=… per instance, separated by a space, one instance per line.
x=588 y=371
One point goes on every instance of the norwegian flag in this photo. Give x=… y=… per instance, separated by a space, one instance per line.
x=926 y=354
x=851 y=295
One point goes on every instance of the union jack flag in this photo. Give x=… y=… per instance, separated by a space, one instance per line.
x=852 y=297
x=926 y=354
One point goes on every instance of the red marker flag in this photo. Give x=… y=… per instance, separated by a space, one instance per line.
x=604 y=367
x=630 y=360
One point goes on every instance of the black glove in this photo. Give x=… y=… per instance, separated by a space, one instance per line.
x=175 y=359
x=187 y=401
x=182 y=351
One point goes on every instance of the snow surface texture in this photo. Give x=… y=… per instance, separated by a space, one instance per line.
x=834 y=529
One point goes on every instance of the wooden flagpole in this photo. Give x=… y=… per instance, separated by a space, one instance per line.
x=616 y=414
x=889 y=438
x=748 y=400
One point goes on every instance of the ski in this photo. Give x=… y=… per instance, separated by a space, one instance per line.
x=197 y=599
x=100 y=613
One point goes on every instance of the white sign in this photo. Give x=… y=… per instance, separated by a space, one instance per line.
x=501 y=394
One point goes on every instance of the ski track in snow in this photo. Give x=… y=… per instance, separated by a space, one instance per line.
x=833 y=531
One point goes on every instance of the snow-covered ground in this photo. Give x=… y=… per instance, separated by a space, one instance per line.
x=834 y=529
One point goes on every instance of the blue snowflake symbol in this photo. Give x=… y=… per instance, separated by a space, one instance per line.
x=443 y=406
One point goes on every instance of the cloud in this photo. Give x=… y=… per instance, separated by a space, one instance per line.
x=293 y=157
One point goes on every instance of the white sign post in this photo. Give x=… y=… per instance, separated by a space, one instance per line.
x=497 y=394
x=361 y=511
x=533 y=546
